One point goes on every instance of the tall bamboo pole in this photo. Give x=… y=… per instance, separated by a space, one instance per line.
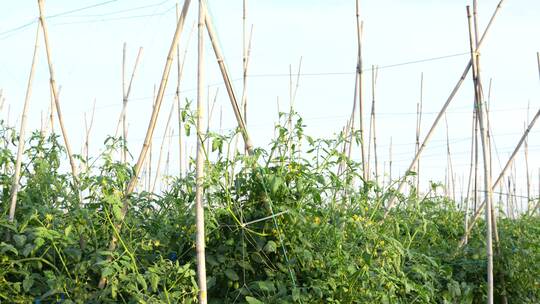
x=22 y=131
x=179 y=68
x=157 y=175
x=359 y=90
x=124 y=100
x=125 y=96
x=487 y=161
x=199 y=208
x=372 y=130
x=451 y=180
x=180 y=63
x=527 y=177
x=390 y=162
x=418 y=128
x=226 y=79
x=150 y=131
x=392 y=199
x=87 y=134
x=55 y=92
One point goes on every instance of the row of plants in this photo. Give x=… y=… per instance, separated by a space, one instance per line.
x=282 y=226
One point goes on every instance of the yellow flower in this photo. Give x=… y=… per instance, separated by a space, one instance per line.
x=156 y=243
x=317 y=220
x=48 y=217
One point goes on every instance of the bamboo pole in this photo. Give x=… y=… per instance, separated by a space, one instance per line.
x=123 y=117
x=150 y=131
x=451 y=180
x=169 y=118
x=125 y=95
x=180 y=70
x=526 y=152
x=52 y=108
x=359 y=90
x=502 y=174
x=87 y=135
x=537 y=203
x=22 y=131
x=372 y=124
x=418 y=128
x=226 y=79
x=392 y=199
x=390 y=162
x=55 y=92
x=199 y=208
x=487 y=161
x=470 y=181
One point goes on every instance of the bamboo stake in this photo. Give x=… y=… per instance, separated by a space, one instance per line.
x=475 y=137
x=487 y=161
x=161 y=147
x=359 y=90
x=87 y=135
x=372 y=124
x=503 y=172
x=55 y=93
x=526 y=152
x=199 y=208
x=123 y=117
x=22 y=131
x=52 y=108
x=180 y=70
x=226 y=79
x=451 y=180
x=418 y=127
x=150 y=131
x=390 y=162
x=125 y=95
x=392 y=199
x=538 y=203
x=469 y=183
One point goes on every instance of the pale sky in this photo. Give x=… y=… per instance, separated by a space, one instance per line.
x=87 y=52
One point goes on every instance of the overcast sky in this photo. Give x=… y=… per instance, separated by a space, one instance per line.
x=87 y=51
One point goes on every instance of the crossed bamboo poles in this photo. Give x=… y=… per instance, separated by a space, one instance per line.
x=204 y=22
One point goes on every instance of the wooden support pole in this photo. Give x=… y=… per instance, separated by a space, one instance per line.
x=22 y=131
x=199 y=207
x=56 y=93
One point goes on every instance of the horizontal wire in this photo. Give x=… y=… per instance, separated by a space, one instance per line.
x=20 y=27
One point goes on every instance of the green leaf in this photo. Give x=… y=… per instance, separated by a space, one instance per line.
x=107 y=271
x=271 y=246
x=142 y=282
x=38 y=242
x=28 y=282
x=68 y=229
x=266 y=286
x=252 y=300
x=231 y=274
x=154 y=281
x=117 y=212
x=19 y=239
x=217 y=144
x=7 y=247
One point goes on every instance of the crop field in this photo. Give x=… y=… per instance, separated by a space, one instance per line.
x=295 y=217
